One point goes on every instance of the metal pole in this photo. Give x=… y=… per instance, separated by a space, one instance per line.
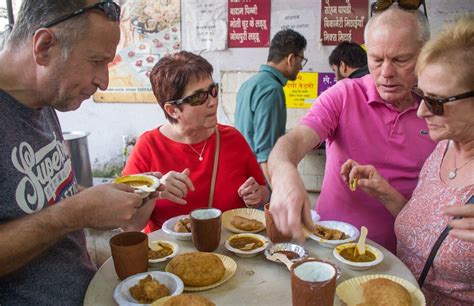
x=11 y=20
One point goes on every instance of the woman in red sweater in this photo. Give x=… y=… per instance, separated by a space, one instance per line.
x=184 y=148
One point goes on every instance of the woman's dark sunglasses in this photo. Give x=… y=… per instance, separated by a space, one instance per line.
x=382 y=5
x=110 y=8
x=199 y=97
x=435 y=106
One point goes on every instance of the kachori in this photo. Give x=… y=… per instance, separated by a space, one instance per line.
x=197 y=268
x=384 y=292
x=246 y=224
x=148 y=290
x=188 y=300
x=183 y=226
x=329 y=233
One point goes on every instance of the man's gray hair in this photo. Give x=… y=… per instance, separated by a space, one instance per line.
x=33 y=14
x=421 y=21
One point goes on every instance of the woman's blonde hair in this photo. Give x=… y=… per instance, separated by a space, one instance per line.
x=454 y=47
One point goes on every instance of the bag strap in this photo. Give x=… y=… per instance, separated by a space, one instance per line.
x=436 y=246
x=214 y=169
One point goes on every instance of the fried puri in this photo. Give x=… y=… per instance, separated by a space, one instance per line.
x=329 y=233
x=183 y=226
x=384 y=292
x=188 y=300
x=197 y=268
x=246 y=224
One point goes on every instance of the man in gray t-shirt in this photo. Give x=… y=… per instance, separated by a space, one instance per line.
x=53 y=60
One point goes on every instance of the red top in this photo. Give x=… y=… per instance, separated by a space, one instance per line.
x=156 y=152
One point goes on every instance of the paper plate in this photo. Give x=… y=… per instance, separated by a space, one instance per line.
x=122 y=293
x=350 y=291
x=243 y=253
x=249 y=213
x=143 y=184
x=347 y=228
x=230 y=267
x=163 y=300
x=168 y=228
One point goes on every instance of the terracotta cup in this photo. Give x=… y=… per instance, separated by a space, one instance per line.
x=129 y=253
x=206 y=228
x=272 y=231
x=313 y=282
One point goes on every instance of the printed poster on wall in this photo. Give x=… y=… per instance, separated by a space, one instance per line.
x=302 y=92
x=206 y=25
x=249 y=23
x=302 y=21
x=343 y=20
x=150 y=29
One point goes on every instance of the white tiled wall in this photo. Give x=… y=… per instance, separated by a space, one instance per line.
x=311 y=168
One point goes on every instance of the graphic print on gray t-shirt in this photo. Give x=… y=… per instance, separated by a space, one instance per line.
x=36 y=172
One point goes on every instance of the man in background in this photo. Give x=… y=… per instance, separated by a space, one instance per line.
x=261 y=110
x=55 y=57
x=348 y=60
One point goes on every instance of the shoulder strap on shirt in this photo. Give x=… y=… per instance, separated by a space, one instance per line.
x=434 y=249
x=214 y=169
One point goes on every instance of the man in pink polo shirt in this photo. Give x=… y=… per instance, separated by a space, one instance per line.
x=371 y=120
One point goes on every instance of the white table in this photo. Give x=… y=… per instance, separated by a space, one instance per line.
x=257 y=280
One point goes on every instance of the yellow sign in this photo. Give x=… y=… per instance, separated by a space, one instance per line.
x=303 y=91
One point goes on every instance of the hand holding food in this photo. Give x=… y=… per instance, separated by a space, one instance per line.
x=251 y=192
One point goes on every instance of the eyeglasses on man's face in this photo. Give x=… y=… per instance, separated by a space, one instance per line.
x=382 y=5
x=199 y=97
x=110 y=8
x=436 y=106
x=304 y=60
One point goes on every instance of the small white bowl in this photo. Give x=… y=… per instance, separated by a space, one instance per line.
x=122 y=293
x=358 y=265
x=347 y=228
x=173 y=246
x=286 y=246
x=144 y=184
x=243 y=253
x=168 y=228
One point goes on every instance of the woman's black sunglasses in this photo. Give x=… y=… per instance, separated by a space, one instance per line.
x=382 y=5
x=435 y=106
x=199 y=97
x=110 y=8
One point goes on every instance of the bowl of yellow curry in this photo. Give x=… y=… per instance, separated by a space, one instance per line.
x=346 y=254
x=246 y=245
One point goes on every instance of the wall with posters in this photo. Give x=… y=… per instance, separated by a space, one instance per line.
x=108 y=123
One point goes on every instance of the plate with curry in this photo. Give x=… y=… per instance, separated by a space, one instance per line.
x=246 y=245
x=244 y=220
x=332 y=233
x=144 y=184
x=201 y=271
x=161 y=250
x=346 y=254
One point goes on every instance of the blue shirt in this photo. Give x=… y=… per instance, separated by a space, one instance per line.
x=261 y=111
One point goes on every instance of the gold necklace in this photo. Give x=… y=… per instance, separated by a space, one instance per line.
x=202 y=151
x=453 y=173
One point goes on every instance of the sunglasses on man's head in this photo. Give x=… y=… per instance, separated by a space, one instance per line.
x=435 y=106
x=199 y=97
x=382 y=5
x=110 y=8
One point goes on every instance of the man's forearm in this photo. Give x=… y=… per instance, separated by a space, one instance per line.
x=25 y=238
